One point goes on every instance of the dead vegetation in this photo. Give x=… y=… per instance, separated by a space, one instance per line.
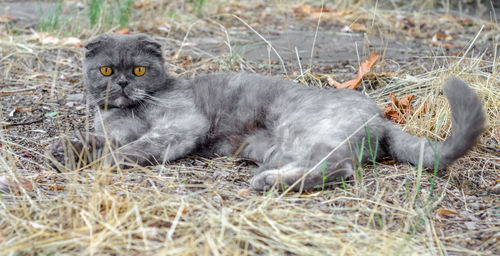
x=202 y=206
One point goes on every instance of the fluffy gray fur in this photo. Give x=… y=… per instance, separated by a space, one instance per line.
x=286 y=128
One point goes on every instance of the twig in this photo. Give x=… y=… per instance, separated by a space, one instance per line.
x=5 y=93
x=7 y=125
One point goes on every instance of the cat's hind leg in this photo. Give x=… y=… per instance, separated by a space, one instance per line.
x=307 y=172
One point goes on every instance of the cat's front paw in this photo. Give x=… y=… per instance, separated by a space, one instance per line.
x=73 y=152
x=65 y=152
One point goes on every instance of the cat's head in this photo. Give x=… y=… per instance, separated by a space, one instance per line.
x=123 y=70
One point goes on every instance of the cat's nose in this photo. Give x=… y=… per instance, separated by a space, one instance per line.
x=123 y=83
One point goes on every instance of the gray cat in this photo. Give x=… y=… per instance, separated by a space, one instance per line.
x=286 y=128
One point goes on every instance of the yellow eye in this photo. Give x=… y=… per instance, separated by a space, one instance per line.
x=139 y=70
x=106 y=71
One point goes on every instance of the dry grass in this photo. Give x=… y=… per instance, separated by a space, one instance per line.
x=199 y=206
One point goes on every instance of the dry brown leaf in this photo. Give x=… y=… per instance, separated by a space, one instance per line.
x=445 y=45
x=465 y=22
x=302 y=11
x=57 y=187
x=357 y=27
x=139 y=5
x=438 y=38
x=321 y=9
x=187 y=209
x=244 y=192
x=50 y=40
x=444 y=212
x=309 y=194
x=123 y=31
x=45 y=38
x=27 y=109
x=443 y=37
x=72 y=41
x=364 y=69
x=449 y=45
x=400 y=109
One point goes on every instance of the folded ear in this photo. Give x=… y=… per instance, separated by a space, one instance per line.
x=93 y=46
x=149 y=45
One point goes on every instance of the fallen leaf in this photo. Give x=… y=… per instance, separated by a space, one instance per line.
x=187 y=209
x=444 y=212
x=244 y=192
x=50 y=40
x=72 y=41
x=310 y=194
x=449 y=45
x=19 y=109
x=364 y=69
x=465 y=22
x=44 y=38
x=440 y=39
x=400 y=109
x=57 y=187
x=441 y=36
x=123 y=31
x=27 y=109
x=324 y=9
x=139 y=5
x=358 y=27
x=302 y=11
x=445 y=45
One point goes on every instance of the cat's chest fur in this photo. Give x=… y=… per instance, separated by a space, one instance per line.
x=121 y=125
x=168 y=115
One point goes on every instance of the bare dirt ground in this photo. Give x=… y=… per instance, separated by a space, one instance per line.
x=202 y=206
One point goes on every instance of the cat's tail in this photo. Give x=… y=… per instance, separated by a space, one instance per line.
x=468 y=122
